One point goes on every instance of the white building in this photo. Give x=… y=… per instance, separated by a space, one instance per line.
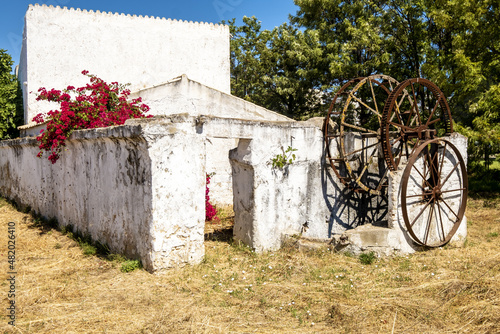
x=59 y=43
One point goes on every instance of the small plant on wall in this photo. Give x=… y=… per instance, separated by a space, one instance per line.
x=98 y=104
x=286 y=158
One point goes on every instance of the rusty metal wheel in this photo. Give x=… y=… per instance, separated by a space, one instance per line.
x=415 y=111
x=353 y=124
x=434 y=192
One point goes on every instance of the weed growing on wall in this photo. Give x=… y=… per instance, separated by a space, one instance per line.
x=287 y=158
x=98 y=104
x=130 y=265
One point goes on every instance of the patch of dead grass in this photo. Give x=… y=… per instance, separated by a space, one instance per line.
x=234 y=290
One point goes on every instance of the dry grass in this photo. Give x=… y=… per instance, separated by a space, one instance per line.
x=448 y=290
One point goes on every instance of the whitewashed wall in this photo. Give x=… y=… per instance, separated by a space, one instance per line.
x=140 y=187
x=130 y=187
x=183 y=95
x=186 y=95
x=59 y=43
x=271 y=202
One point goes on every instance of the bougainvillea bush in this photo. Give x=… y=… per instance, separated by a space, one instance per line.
x=97 y=104
x=210 y=211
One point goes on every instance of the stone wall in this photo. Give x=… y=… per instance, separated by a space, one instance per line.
x=131 y=187
x=140 y=187
x=183 y=95
x=271 y=202
x=58 y=43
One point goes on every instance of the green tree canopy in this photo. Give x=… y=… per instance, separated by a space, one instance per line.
x=276 y=69
x=294 y=68
x=11 y=112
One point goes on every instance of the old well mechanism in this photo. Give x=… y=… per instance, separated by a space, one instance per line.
x=376 y=125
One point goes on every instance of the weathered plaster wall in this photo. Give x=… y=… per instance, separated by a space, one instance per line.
x=59 y=43
x=130 y=187
x=140 y=188
x=178 y=189
x=183 y=95
x=271 y=202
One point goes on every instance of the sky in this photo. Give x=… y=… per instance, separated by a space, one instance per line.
x=271 y=13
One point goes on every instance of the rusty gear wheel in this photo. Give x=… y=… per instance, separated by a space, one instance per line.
x=352 y=132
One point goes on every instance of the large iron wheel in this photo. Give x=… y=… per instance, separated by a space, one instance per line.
x=434 y=192
x=354 y=118
x=415 y=111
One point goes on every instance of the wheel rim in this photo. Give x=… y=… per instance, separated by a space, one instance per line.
x=358 y=107
x=415 y=111
x=434 y=192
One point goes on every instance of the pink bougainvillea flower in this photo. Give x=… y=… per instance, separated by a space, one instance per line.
x=210 y=210
x=97 y=104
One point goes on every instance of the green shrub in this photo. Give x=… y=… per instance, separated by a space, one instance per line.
x=367 y=258
x=130 y=265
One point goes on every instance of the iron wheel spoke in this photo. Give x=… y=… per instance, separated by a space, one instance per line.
x=441 y=221
x=442 y=199
x=364 y=104
x=449 y=191
x=419 y=195
x=422 y=176
x=429 y=221
x=432 y=113
x=442 y=159
x=452 y=171
x=374 y=99
x=420 y=213
x=361 y=149
x=358 y=127
x=415 y=104
x=431 y=166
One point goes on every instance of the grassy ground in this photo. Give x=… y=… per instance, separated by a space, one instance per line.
x=59 y=289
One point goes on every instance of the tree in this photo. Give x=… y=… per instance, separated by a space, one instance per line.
x=405 y=38
x=350 y=36
x=465 y=62
x=11 y=109
x=276 y=69
x=453 y=43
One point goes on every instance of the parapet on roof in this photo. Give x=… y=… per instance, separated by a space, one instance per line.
x=104 y=13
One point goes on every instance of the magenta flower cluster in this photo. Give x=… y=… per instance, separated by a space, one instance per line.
x=98 y=104
x=210 y=211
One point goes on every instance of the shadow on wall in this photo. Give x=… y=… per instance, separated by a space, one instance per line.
x=350 y=208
